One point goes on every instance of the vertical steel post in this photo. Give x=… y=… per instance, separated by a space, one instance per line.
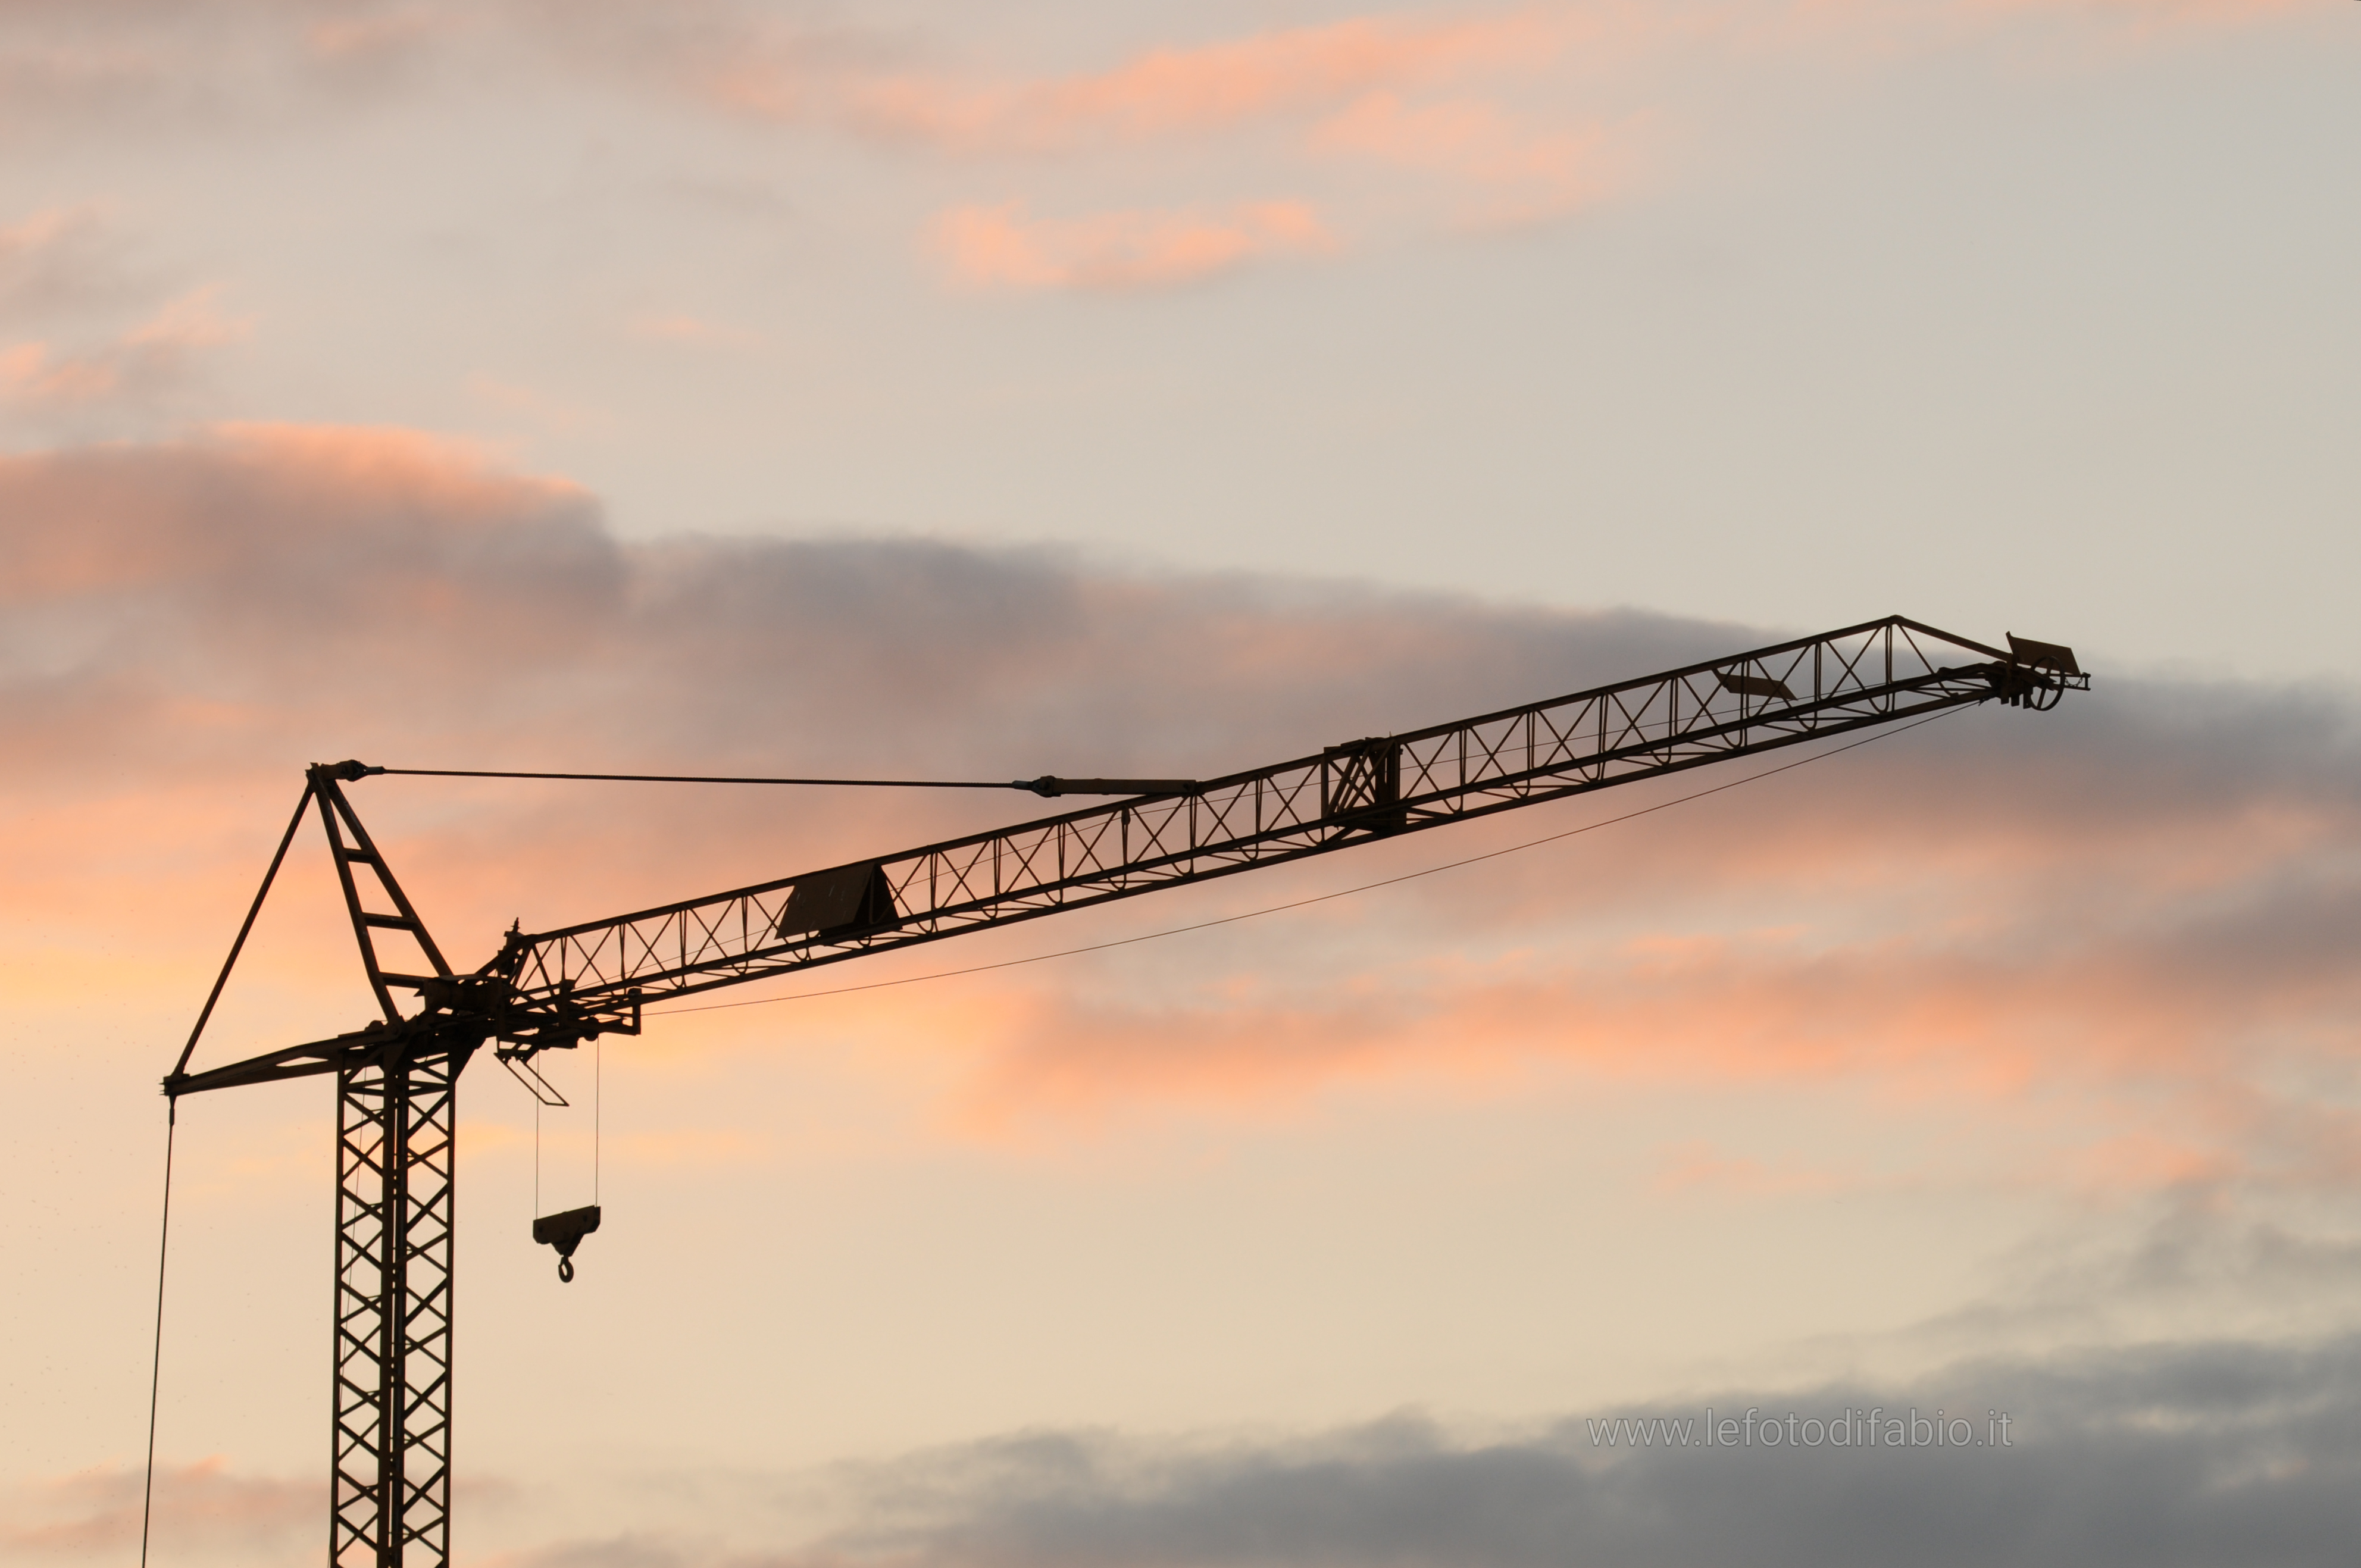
x=390 y=1503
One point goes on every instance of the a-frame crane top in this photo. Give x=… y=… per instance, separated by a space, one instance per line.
x=397 y=1077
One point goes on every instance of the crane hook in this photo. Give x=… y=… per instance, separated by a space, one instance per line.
x=564 y=1232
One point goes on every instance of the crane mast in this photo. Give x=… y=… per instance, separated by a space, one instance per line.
x=397 y=1078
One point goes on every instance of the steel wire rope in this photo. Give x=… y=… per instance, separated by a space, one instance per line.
x=1316 y=898
x=156 y=1364
x=700 y=778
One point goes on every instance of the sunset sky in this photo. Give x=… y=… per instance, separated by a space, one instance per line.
x=913 y=389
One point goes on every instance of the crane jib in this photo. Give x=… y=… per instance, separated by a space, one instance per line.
x=1750 y=702
x=558 y=988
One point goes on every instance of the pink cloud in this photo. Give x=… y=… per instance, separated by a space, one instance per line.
x=1358 y=87
x=2156 y=1068
x=679 y=326
x=115 y=517
x=536 y=409
x=1001 y=247
x=149 y=360
x=1217 y=85
x=32 y=373
x=371 y=37
x=59 y=257
x=1311 y=73
x=1522 y=173
x=203 y=1505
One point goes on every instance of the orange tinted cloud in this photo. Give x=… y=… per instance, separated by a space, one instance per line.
x=1358 y=87
x=2163 y=1068
x=1311 y=73
x=1001 y=247
x=205 y=1505
x=679 y=326
x=1524 y=173
x=63 y=260
x=1998 y=908
x=1217 y=85
x=149 y=360
x=213 y=509
x=32 y=373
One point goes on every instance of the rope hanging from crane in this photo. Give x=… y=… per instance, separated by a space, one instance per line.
x=565 y=1230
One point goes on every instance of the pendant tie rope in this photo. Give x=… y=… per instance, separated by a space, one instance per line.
x=1046 y=785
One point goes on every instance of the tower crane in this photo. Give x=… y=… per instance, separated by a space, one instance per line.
x=397 y=1077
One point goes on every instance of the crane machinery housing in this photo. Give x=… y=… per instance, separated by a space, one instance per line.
x=398 y=1076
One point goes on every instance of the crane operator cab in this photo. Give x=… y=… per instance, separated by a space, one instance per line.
x=564 y=1232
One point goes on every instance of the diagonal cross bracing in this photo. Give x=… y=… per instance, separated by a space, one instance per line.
x=389 y=1503
x=1775 y=697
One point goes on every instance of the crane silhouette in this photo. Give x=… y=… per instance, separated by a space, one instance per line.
x=397 y=1077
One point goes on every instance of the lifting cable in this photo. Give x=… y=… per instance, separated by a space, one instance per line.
x=156 y=1365
x=1316 y=898
x=172 y=1126
x=597 y=1117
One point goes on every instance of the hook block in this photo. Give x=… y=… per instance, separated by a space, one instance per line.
x=564 y=1232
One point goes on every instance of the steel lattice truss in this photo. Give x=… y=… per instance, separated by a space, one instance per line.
x=1754 y=702
x=395 y=1192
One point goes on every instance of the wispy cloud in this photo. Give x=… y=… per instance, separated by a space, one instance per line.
x=1515 y=173
x=2157 y=1030
x=61 y=259
x=139 y=368
x=204 y=1505
x=1121 y=250
x=1460 y=115
x=375 y=38
x=1416 y=93
x=1287 y=73
x=535 y=408
x=681 y=327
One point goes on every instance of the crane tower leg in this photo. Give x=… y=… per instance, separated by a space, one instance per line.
x=391 y=1505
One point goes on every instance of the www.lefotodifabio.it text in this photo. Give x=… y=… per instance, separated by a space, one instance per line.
x=1873 y=1427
